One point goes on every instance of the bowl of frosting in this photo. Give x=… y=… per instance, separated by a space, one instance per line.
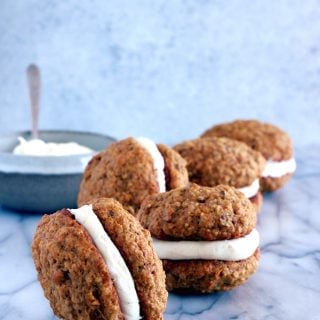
x=44 y=174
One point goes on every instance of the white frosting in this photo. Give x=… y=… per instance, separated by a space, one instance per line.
x=117 y=267
x=251 y=190
x=277 y=169
x=158 y=161
x=228 y=250
x=37 y=147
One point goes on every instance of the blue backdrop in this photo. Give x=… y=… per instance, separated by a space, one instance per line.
x=162 y=69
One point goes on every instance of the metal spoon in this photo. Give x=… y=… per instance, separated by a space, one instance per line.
x=34 y=84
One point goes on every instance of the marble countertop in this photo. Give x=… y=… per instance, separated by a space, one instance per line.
x=286 y=286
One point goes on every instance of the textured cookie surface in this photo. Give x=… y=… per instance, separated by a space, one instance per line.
x=175 y=168
x=198 y=213
x=72 y=272
x=135 y=246
x=208 y=275
x=125 y=172
x=269 y=184
x=271 y=141
x=216 y=161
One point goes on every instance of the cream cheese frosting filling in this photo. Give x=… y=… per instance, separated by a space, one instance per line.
x=252 y=190
x=117 y=267
x=158 y=161
x=227 y=250
x=38 y=147
x=277 y=169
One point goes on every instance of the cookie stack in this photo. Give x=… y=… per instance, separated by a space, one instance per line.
x=272 y=142
x=97 y=262
x=206 y=237
x=194 y=206
x=215 y=161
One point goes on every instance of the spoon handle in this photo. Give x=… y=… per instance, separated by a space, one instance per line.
x=34 y=83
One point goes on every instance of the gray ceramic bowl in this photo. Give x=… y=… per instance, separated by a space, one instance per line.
x=44 y=184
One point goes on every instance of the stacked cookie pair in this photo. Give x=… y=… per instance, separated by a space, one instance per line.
x=215 y=161
x=270 y=141
x=99 y=262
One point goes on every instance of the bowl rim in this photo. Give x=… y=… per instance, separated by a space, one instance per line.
x=68 y=164
x=90 y=133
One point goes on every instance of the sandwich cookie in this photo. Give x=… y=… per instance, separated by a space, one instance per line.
x=274 y=144
x=97 y=262
x=215 y=161
x=206 y=237
x=131 y=169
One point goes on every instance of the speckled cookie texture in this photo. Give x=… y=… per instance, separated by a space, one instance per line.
x=201 y=213
x=175 y=168
x=135 y=246
x=74 y=276
x=269 y=184
x=214 y=161
x=273 y=143
x=208 y=276
x=125 y=171
x=198 y=213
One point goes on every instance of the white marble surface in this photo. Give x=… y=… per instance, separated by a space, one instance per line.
x=286 y=286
